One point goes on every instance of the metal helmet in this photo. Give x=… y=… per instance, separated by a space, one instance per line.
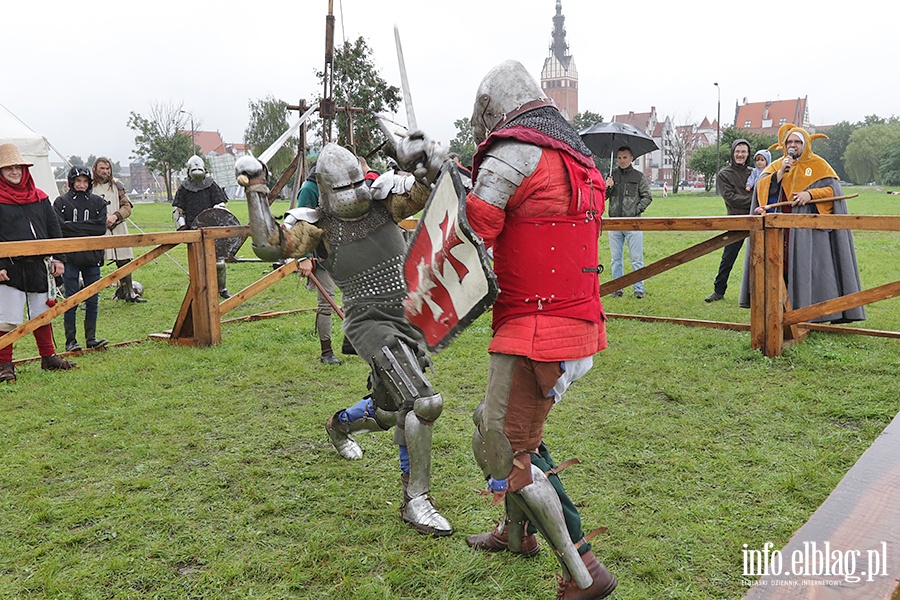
x=343 y=192
x=82 y=171
x=196 y=170
x=506 y=88
x=137 y=288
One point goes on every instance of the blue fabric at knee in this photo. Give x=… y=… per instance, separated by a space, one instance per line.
x=363 y=408
x=404 y=459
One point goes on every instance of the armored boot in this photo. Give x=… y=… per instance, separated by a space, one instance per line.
x=220 y=280
x=603 y=584
x=497 y=540
x=417 y=509
x=340 y=436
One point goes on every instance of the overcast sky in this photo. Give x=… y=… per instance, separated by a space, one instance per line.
x=74 y=71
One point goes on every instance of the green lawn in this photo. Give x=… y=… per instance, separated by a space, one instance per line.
x=167 y=472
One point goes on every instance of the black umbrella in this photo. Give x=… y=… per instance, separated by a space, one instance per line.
x=605 y=138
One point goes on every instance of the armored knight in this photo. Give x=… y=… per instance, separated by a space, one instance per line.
x=537 y=200
x=355 y=234
x=195 y=194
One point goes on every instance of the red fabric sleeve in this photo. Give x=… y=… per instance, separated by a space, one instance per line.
x=486 y=219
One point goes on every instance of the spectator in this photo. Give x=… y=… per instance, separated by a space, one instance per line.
x=761 y=159
x=308 y=197
x=81 y=214
x=195 y=194
x=25 y=214
x=629 y=196
x=731 y=184
x=118 y=210
x=820 y=264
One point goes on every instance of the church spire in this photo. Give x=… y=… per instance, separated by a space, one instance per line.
x=559 y=47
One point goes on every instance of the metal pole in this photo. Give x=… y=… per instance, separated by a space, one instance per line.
x=718 y=122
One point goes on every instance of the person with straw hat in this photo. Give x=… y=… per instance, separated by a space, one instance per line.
x=25 y=214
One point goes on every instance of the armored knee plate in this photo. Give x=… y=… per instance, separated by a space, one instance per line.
x=492 y=450
x=540 y=502
x=401 y=372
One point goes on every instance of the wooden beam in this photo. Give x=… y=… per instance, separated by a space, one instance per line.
x=814 y=311
x=860 y=222
x=775 y=292
x=895 y=335
x=100 y=242
x=748 y=223
x=258 y=286
x=198 y=320
x=670 y=262
x=757 y=280
x=689 y=322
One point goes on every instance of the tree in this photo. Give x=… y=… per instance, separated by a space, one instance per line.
x=679 y=144
x=464 y=142
x=867 y=147
x=757 y=141
x=268 y=121
x=77 y=161
x=582 y=121
x=160 y=140
x=832 y=149
x=890 y=166
x=357 y=83
x=585 y=119
x=703 y=160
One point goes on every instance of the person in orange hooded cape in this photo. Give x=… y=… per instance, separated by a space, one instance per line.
x=820 y=264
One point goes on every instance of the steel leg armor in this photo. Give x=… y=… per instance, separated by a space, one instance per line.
x=540 y=502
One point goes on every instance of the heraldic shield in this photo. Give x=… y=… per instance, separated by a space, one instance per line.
x=447 y=269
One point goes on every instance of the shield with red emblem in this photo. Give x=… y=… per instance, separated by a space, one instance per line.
x=447 y=268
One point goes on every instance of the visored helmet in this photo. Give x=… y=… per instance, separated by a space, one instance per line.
x=80 y=170
x=343 y=192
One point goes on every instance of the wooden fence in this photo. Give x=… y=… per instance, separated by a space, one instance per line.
x=773 y=324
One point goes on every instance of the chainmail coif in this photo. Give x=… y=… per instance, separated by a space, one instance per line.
x=550 y=122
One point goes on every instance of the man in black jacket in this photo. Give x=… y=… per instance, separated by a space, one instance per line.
x=81 y=214
x=731 y=184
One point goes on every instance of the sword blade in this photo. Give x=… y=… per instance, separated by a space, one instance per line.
x=404 y=82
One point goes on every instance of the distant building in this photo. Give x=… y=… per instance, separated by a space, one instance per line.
x=559 y=77
x=143 y=180
x=220 y=156
x=766 y=117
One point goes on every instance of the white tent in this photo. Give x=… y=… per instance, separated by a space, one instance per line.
x=34 y=148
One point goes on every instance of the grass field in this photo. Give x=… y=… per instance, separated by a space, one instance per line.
x=166 y=472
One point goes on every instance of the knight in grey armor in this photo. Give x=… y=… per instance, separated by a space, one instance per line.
x=532 y=173
x=195 y=194
x=357 y=238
